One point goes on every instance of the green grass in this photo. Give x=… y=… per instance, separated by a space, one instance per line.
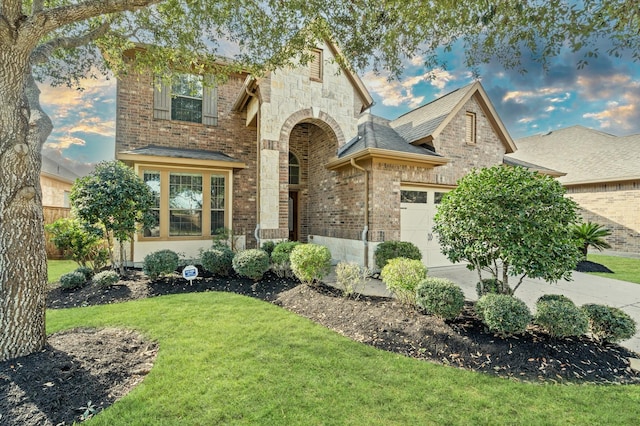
x=230 y=359
x=57 y=268
x=624 y=268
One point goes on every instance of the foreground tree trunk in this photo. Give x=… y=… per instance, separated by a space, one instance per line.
x=23 y=268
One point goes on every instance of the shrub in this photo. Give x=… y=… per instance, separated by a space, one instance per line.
x=553 y=297
x=86 y=271
x=609 y=324
x=280 y=258
x=402 y=276
x=503 y=314
x=252 y=263
x=72 y=280
x=560 y=318
x=440 y=297
x=492 y=286
x=351 y=277
x=310 y=262
x=392 y=249
x=268 y=246
x=159 y=263
x=80 y=242
x=106 y=278
x=218 y=260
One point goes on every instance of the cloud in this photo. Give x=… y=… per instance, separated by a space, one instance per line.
x=617 y=117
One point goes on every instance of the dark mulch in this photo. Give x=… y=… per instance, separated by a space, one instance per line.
x=589 y=266
x=54 y=386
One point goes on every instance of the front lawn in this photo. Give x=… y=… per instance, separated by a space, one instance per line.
x=57 y=268
x=230 y=359
x=624 y=268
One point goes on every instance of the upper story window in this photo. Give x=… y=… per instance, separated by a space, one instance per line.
x=316 y=65
x=186 y=98
x=294 y=169
x=191 y=98
x=470 y=136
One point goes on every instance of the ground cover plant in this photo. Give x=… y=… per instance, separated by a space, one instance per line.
x=229 y=359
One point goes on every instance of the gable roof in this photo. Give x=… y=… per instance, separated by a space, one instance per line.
x=53 y=169
x=428 y=121
x=586 y=155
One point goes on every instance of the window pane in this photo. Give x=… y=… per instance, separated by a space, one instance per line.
x=186 y=109
x=152 y=179
x=413 y=197
x=437 y=197
x=217 y=203
x=187 y=85
x=294 y=170
x=217 y=220
x=185 y=204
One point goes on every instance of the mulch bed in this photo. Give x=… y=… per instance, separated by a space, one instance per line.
x=589 y=266
x=53 y=387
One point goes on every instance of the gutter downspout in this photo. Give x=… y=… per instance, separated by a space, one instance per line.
x=365 y=229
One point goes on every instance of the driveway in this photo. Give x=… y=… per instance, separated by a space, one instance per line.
x=583 y=289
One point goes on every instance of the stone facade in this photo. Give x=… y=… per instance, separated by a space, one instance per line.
x=614 y=206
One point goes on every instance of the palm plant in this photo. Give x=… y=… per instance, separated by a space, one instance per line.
x=591 y=234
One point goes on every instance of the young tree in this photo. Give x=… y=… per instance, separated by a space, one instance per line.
x=62 y=40
x=509 y=220
x=114 y=197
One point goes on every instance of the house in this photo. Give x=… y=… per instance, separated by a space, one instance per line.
x=56 y=182
x=602 y=174
x=295 y=155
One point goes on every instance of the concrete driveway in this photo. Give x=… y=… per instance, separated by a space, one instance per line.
x=583 y=289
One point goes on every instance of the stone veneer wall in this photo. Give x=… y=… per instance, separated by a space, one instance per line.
x=614 y=206
x=136 y=128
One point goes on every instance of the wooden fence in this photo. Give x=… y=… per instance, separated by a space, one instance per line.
x=51 y=214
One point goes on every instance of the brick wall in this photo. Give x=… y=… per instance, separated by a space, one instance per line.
x=136 y=128
x=614 y=206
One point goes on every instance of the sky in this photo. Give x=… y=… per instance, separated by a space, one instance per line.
x=604 y=95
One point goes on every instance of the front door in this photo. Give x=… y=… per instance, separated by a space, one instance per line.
x=293 y=216
x=417 y=209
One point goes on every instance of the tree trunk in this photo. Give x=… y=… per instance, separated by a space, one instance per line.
x=23 y=267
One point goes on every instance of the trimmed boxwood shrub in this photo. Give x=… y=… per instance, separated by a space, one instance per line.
x=268 y=246
x=503 y=314
x=609 y=324
x=106 y=278
x=440 y=297
x=556 y=297
x=560 y=317
x=251 y=263
x=402 y=276
x=72 y=280
x=161 y=262
x=392 y=249
x=352 y=278
x=310 y=262
x=281 y=258
x=218 y=259
x=86 y=271
x=492 y=286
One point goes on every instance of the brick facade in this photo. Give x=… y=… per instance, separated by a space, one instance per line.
x=136 y=128
x=614 y=206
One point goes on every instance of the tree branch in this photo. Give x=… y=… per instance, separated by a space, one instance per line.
x=41 y=53
x=37 y=6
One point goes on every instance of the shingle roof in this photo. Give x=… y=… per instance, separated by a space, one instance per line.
x=544 y=170
x=423 y=121
x=53 y=168
x=375 y=132
x=584 y=154
x=161 y=151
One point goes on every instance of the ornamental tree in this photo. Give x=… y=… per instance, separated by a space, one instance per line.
x=60 y=41
x=117 y=199
x=509 y=221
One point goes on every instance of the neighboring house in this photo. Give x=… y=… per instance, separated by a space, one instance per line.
x=55 y=181
x=602 y=174
x=294 y=155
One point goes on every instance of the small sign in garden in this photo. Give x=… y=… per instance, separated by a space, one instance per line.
x=189 y=273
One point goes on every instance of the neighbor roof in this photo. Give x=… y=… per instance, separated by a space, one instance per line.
x=586 y=155
x=52 y=168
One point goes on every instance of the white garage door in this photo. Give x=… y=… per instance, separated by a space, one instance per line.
x=418 y=206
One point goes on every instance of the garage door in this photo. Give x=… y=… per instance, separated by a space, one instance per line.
x=418 y=206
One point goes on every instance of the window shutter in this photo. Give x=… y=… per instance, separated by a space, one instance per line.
x=210 y=102
x=161 y=100
x=471 y=128
x=316 y=65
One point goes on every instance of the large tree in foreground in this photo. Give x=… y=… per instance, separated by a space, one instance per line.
x=509 y=221
x=62 y=40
